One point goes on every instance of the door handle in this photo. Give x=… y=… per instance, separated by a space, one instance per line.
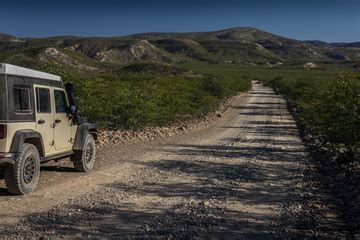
x=41 y=121
x=57 y=121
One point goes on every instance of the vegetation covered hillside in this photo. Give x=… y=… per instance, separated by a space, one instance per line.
x=158 y=78
x=146 y=92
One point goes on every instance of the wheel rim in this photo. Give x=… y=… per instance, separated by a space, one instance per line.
x=89 y=153
x=29 y=169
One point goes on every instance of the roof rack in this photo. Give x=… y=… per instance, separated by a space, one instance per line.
x=6 y=68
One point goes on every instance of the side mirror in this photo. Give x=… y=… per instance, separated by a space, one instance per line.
x=72 y=109
x=70 y=89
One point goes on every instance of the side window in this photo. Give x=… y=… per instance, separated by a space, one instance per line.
x=21 y=100
x=43 y=104
x=60 y=101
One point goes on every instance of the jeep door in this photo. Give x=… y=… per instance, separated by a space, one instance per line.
x=62 y=122
x=45 y=117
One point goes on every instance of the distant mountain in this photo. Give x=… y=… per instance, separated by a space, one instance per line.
x=347 y=45
x=319 y=43
x=233 y=34
x=236 y=45
x=281 y=48
x=6 y=37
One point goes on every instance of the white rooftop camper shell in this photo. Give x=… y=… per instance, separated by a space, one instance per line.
x=9 y=69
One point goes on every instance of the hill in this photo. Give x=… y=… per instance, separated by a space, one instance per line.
x=153 y=79
x=246 y=46
x=347 y=45
x=6 y=37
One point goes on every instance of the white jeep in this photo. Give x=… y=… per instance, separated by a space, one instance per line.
x=38 y=123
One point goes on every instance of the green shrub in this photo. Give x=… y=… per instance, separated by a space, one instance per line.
x=338 y=111
x=154 y=100
x=331 y=106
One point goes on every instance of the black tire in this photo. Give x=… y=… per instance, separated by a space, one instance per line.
x=23 y=176
x=2 y=172
x=84 y=160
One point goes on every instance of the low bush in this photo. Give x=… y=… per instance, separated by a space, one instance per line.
x=331 y=107
x=157 y=98
x=336 y=111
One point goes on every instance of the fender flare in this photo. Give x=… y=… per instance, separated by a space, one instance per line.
x=82 y=131
x=20 y=137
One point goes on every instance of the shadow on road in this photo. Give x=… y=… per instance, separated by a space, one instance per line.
x=243 y=171
x=226 y=189
x=57 y=169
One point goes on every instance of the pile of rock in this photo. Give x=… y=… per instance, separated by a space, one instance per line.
x=118 y=136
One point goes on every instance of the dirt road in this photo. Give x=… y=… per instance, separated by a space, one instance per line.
x=242 y=177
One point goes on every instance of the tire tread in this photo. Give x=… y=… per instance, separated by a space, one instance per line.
x=78 y=157
x=13 y=172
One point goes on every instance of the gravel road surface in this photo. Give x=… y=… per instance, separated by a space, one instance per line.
x=245 y=176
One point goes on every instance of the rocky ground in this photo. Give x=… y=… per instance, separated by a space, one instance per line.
x=117 y=136
x=245 y=175
x=338 y=172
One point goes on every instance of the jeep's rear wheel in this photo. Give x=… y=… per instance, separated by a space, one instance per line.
x=84 y=160
x=23 y=176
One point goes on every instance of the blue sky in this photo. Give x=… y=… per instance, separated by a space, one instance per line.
x=331 y=20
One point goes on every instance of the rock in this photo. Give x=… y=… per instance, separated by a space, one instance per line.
x=310 y=65
x=113 y=136
x=318 y=206
x=182 y=129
